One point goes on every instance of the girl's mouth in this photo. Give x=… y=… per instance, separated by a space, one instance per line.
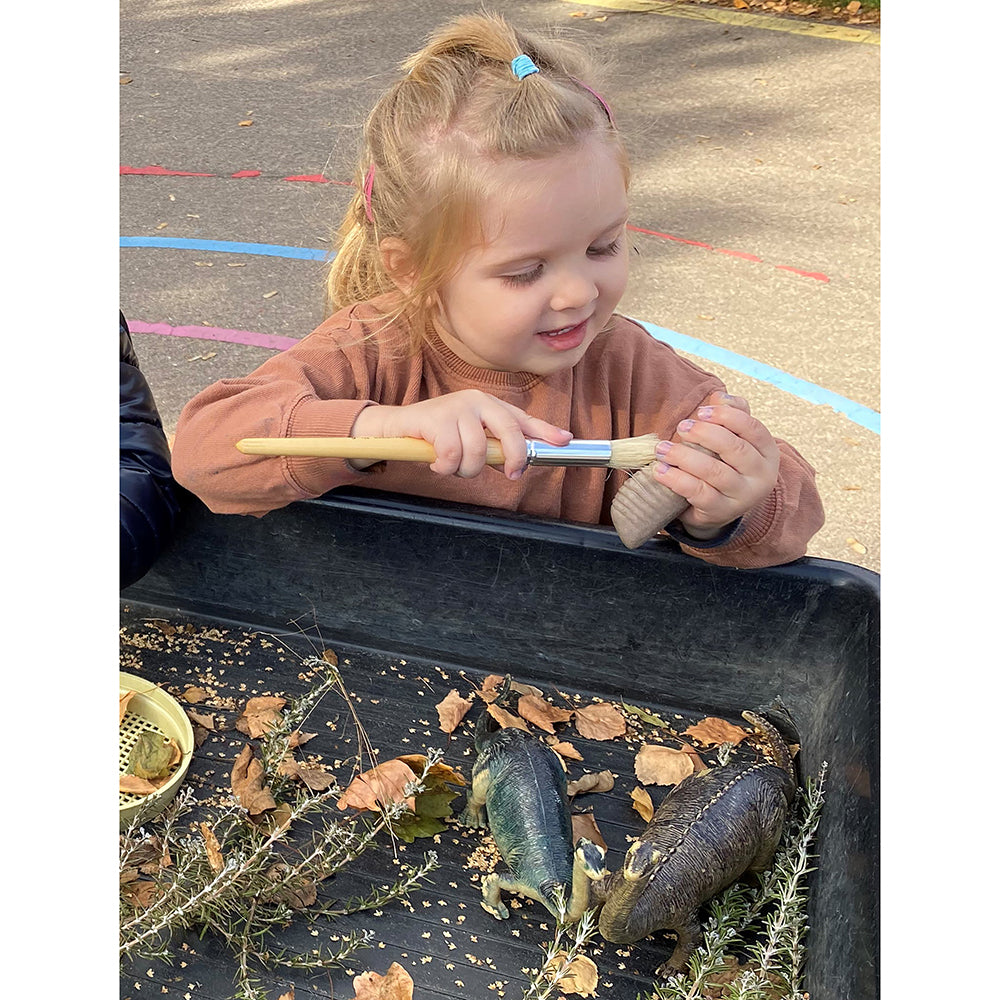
x=566 y=338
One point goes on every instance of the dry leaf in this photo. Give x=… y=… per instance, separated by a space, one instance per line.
x=259 y=715
x=124 y=697
x=659 y=765
x=566 y=750
x=270 y=295
x=194 y=695
x=451 y=710
x=741 y=4
x=599 y=781
x=396 y=984
x=312 y=777
x=247 y=781
x=380 y=786
x=853 y=7
x=297 y=738
x=713 y=731
x=579 y=979
x=439 y=770
x=642 y=803
x=212 y=848
x=541 y=712
x=506 y=719
x=132 y=784
x=857 y=546
x=331 y=657
x=290 y=995
x=584 y=825
x=599 y=722
x=201 y=719
x=249 y=121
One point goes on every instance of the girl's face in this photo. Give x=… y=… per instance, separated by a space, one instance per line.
x=552 y=271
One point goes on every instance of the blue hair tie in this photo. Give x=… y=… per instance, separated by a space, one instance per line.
x=523 y=66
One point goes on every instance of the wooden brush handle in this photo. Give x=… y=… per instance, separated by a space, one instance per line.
x=380 y=449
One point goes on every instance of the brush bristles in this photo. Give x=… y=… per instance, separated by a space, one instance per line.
x=633 y=453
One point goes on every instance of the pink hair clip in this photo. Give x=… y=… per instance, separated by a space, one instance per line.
x=369 y=180
x=603 y=103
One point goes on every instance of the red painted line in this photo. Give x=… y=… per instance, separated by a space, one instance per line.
x=155 y=171
x=805 y=274
x=320 y=179
x=246 y=337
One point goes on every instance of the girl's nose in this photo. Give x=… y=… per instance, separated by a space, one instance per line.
x=573 y=291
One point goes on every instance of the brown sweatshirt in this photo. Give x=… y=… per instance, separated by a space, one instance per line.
x=627 y=384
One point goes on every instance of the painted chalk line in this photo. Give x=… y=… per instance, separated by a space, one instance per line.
x=153 y=170
x=794 y=386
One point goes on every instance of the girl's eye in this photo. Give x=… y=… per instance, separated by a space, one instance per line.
x=606 y=251
x=525 y=278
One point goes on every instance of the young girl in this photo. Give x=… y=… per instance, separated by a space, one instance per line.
x=479 y=266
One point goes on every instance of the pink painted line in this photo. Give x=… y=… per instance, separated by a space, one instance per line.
x=245 y=173
x=805 y=274
x=155 y=171
x=246 y=337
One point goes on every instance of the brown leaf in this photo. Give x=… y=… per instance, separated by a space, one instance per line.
x=541 y=712
x=298 y=892
x=260 y=715
x=380 y=786
x=290 y=995
x=195 y=695
x=853 y=7
x=599 y=781
x=579 y=979
x=132 y=784
x=142 y=893
x=439 y=770
x=202 y=719
x=584 y=825
x=712 y=731
x=659 y=765
x=506 y=719
x=297 y=738
x=312 y=777
x=566 y=750
x=642 y=803
x=247 y=780
x=248 y=122
x=451 y=710
x=124 y=697
x=599 y=722
x=396 y=984
x=331 y=657
x=212 y=847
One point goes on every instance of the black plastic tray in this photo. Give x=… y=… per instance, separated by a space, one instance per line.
x=411 y=594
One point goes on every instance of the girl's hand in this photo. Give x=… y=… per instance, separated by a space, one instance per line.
x=457 y=425
x=721 y=489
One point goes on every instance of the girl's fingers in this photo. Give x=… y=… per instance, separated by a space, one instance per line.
x=739 y=439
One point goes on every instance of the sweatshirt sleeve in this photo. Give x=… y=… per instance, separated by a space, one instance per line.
x=779 y=528
x=314 y=389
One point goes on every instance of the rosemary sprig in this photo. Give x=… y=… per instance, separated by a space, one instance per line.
x=268 y=876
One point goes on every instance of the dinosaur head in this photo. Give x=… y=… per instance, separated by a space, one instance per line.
x=641 y=860
x=590 y=858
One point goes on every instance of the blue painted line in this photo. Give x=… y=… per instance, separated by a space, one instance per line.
x=811 y=393
x=224 y=246
x=808 y=391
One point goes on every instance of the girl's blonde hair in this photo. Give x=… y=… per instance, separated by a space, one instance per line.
x=428 y=146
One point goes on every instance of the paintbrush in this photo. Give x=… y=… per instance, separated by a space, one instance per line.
x=625 y=453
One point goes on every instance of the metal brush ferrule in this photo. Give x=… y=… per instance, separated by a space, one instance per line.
x=581 y=452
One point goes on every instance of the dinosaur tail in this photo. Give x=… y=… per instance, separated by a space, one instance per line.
x=775 y=745
x=487 y=724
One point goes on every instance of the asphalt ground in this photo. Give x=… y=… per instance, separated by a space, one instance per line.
x=755 y=205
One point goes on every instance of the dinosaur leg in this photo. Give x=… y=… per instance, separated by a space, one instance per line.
x=491 y=901
x=688 y=938
x=474 y=813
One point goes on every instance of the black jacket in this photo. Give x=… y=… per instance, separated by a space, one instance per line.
x=150 y=499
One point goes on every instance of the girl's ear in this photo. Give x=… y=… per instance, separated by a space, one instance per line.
x=397 y=260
